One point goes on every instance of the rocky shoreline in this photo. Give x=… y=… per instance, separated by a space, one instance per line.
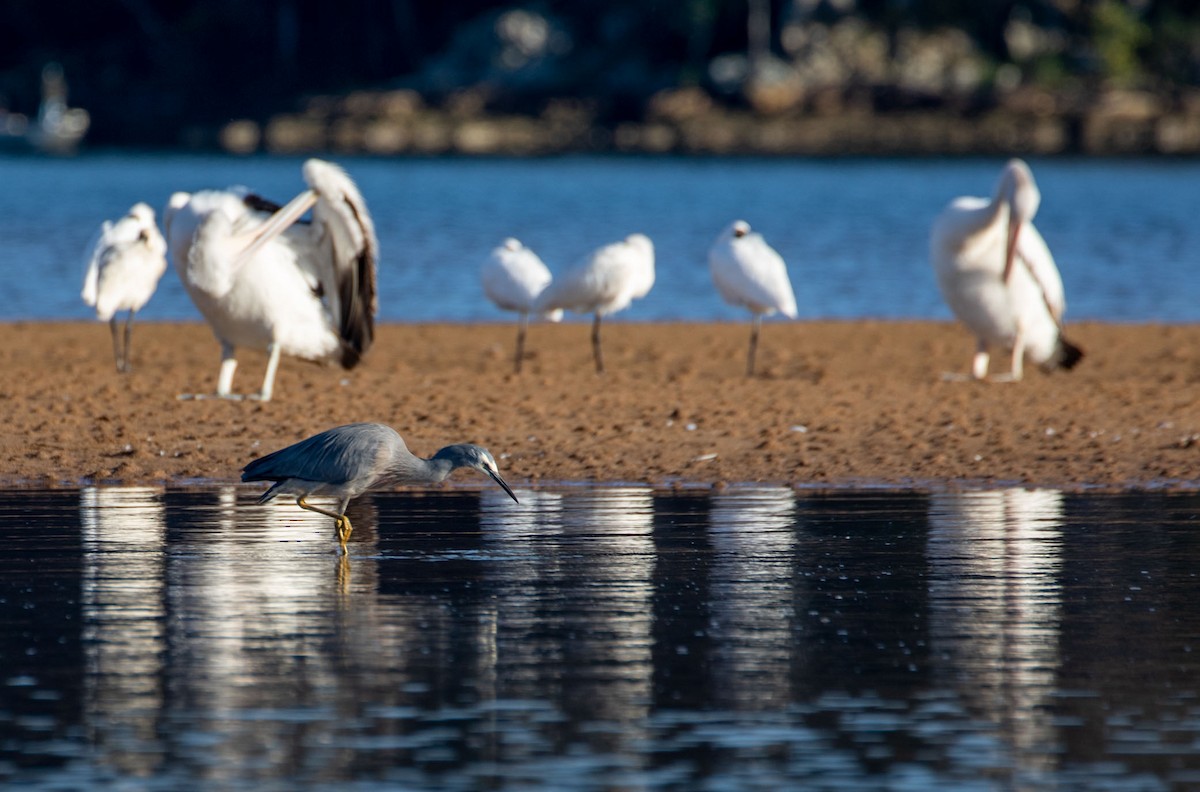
x=686 y=122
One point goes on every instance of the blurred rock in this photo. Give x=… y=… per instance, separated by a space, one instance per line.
x=1121 y=122
x=645 y=138
x=240 y=137
x=1178 y=134
x=295 y=134
x=678 y=104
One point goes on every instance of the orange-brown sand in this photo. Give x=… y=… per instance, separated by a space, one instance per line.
x=834 y=404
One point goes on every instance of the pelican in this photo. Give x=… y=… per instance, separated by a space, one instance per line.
x=266 y=280
x=126 y=260
x=999 y=278
x=604 y=282
x=513 y=277
x=750 y=274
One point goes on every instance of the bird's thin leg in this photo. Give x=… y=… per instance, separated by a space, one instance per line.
x=754 y=327
x=303 y=504
x=268 y=384
x=228 y=366
x=224 y=378
x=129 y=340
x=112 y=326
x=522 y=324
x=596 y=353
x=340 y=521
x=1018 y=356
x=343 y=525
x=979 y=364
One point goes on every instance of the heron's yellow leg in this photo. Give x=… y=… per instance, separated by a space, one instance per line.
x=340 y=521
x=344 y=528
x=303 y=504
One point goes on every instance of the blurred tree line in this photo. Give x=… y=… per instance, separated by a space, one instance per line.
x=147 y=69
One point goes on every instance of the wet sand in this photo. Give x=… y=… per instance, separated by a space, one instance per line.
x=834 y=404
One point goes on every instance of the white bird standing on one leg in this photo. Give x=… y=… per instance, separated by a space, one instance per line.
x=605 y=282
x=750 y=274
x=266 y=280
x=999 y=278
x=513 y=277
x=126 y=260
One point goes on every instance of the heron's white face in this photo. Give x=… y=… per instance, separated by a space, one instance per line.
x=740 y=229
x=487 y=462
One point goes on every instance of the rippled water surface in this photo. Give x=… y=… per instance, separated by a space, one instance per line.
x=601 y=639
x=854 y=232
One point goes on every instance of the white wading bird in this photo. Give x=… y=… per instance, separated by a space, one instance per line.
x=750 y=274
x=605 y=282
x=999 y=278
x=127 y=258
x=266 y=280
x=513 y=277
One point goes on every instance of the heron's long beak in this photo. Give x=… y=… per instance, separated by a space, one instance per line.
x=277 y=223
x=1010 y=251
x=496 y=477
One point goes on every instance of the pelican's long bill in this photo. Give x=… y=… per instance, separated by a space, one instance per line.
x=1010 y=250
x=496 y=477
x=277 y=223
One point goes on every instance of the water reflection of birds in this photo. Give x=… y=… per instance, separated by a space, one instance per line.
x=346 y=461
x=125 y=262
x=999 y=278
x=750 y=274
x=537 y=514
x=605 y=282
x=267 y=631
x=995 y=605
x=124 y=612
x=606 y=608
x=753 y=534
x=265 y=280
x=513 y=277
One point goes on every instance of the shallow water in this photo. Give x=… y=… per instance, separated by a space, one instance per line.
x=854 y=232
x=601 y=639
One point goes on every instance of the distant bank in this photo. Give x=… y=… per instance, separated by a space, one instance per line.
x=684 y=121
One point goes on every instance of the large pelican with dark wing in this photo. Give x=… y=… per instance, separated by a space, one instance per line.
x=999 y=278
x=264 y=279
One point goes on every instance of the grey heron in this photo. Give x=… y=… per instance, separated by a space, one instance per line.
x=346 y=461
x=125 y=261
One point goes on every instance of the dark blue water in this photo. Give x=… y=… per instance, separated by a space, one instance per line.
x=601 y=639
x=854 y=233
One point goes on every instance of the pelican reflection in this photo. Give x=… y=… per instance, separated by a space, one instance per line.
x=996 y=607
